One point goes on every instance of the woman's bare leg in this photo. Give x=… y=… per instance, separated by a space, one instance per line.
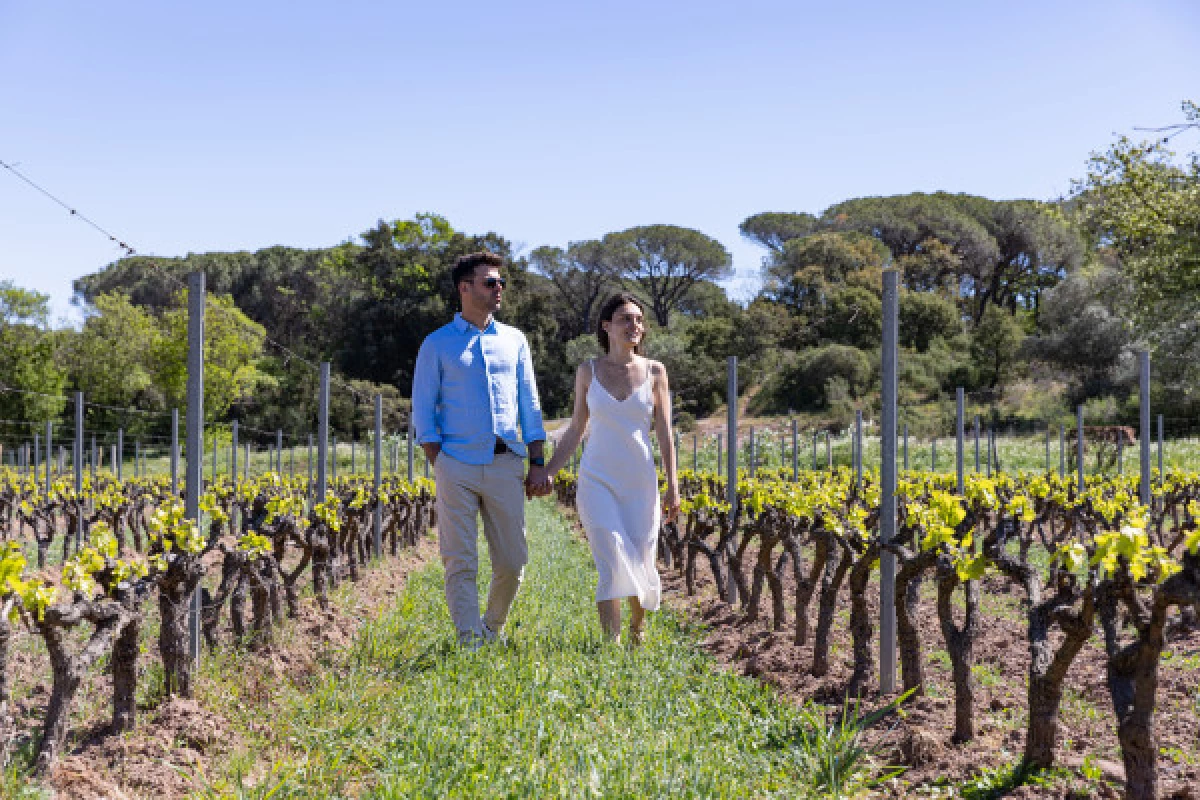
x=637 y=622
x=610 y=618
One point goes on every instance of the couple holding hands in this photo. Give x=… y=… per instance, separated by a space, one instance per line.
x=473 y=388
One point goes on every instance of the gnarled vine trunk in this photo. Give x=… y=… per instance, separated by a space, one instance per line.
x=862 y=631
x=806 y=585
x=107 y=619
x=836 y=567
x=175 y=589
x=908 y=636
x=960 y=644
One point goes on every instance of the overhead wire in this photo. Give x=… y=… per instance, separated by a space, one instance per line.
x=130 y=251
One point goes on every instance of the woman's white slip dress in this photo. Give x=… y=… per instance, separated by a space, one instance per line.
x=617 y=494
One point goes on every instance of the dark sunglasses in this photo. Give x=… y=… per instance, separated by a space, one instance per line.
x=491 y=283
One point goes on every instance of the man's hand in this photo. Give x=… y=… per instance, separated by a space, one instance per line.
x=431 y=451
x=537 y=482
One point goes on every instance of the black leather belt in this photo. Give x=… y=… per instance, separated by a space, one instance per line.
x=501 y=447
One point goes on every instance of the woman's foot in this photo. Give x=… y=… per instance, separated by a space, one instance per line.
x=637 y=623
x=610 y=619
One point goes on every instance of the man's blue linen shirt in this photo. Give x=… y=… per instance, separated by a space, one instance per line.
x=471 y=386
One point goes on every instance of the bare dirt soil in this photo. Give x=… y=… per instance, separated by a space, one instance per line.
x=919 y=739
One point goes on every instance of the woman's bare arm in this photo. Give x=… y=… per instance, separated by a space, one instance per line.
x=573 y=435
x=666 y=441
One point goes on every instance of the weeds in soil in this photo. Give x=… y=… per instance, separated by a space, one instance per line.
x=832 y=753
x=1078 y=707
x=1186 y=661
x=987 y=675
x=996 y=782
x=16 y=780
x=557 y=711
x=17 y=785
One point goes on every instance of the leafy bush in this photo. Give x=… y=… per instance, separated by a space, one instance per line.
x=696 y=379
x=995 y=346
x=854 y=317
x=819 y=377
x=925 y=316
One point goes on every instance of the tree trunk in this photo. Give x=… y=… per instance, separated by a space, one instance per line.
x=775 y=582
x=124 y=670
x=806 y=585
x=135 y=527
x=275 y=589
x=1132 y=671
x=174 y=601
x=908 y=636
x=108 y=620
x=210 y=606
x=352 y=550
x=862 y=632
x=290 y=593
x=762 y=566
x=1048 y=669
x=321 y=567
x=397 y=523
x=735 y=558
x=960 y=643
x=237 y=609
x=689 y=570
x=836 y=568
x=5 y=643
x=261 y=605
x=66 y=679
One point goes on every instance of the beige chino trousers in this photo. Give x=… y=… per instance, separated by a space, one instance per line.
x=497 y=492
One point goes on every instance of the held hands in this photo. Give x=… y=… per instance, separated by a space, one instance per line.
x=538 y=483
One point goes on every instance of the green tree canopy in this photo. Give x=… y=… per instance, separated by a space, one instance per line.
x=853 y=316
x=1007 y=252
x=807 y=270
x=664 y=263
x=1141 y=202
x=111 y=360
x=233 y=344
x=925 y=316
x=583 y=275
x=23 y=306
x=1003 y=253
x=29 y=368
x=995 y=346
x=774 y=229
x=820 y=376
x=1083 y=333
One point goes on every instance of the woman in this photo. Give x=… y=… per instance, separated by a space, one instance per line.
x=622 y=394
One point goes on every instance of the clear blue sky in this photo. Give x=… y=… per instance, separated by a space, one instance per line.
x=238 y=125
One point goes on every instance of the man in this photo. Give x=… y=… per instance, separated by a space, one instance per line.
x=473 y=383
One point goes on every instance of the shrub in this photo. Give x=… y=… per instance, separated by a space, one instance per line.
x=853 y=317
x=995 y=346
x=837 y=369
x=925 y=316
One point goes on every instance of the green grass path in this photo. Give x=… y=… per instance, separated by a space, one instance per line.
x=556 y=713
